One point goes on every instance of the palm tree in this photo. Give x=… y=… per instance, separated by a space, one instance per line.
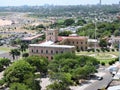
x=15 y=52
x=23 y=47
x=12 y=52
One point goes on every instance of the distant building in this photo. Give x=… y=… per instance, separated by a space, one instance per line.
x=100 y=2
x=114 y=40
x=31 y=39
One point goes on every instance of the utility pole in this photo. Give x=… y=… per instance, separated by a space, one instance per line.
x=119 y=51
x=95 y=33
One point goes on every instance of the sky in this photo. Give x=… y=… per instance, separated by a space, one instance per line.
x=54 y=2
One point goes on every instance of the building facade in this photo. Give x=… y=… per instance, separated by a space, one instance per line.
x=67 y=44
x=52 y=35
x=80 y=42
x=48 y=50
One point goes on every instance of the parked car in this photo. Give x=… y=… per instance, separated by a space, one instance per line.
x=99 y=78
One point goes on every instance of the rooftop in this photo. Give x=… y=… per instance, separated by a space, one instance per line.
x=92 y=40
x=50 y=44
x=33 y=37
x=60 y=38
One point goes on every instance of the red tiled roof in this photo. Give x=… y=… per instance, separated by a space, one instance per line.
x=33 y=37
x=60 y=38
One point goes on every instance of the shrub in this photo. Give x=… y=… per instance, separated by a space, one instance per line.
x=25 y=55
x=103 y=63
x=2 y=81
x=113 y=50
x=102 y=49
x=97 y=50
x=117 y=49
x=117 y=59
x=113 y=61
x=110 y=63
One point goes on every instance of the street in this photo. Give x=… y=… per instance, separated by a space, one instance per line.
x=107 y=77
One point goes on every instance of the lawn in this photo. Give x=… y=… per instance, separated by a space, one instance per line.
x=105 y=57
x=5 y=49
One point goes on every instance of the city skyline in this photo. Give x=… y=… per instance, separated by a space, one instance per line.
x=55 y=2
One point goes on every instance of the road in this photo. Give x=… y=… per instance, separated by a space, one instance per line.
x=107 y=77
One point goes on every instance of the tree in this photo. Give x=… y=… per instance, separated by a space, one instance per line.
x=14 y=52
x=67 y=68
x=18 y=41
x=5 y=61
x=19 y=86
x=40 y=63
x=23 y=47
x=69 y=22
x=17 y=71
x=21 y=72
x=81 y=22
x=117 y=33
x=65 y=33
x=103 y=43
x=62 y=80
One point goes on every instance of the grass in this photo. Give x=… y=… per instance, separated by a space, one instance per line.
x=99 y=53
x=5 y=49
x=105 y=57
x=60 y=20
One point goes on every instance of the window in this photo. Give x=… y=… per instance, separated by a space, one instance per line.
x=56 y=52
x=82 y=48
x=36 y=51
x=32 y=50
x=77 y=42
x=61 y=51
x=46 y=51
x=81 y=42
x=51 y=51
x=73 y=42
x=41 y=51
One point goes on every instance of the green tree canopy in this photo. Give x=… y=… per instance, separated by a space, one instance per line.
x=21 y=72
x=19 y=86
x=103 y=43
x=18 y=71
x=40 y=63
x=69 y=22
x=68 y=68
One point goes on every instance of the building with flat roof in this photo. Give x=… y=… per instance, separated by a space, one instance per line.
x=48 y=49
